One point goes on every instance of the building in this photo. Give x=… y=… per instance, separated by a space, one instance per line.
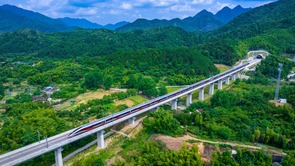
x=283 y=101
x=49 y=90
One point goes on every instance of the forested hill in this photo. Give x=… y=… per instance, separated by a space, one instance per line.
x=277 y=15
x=93 y=42
x=13 y=18
x=270 y=27
x=83 y=23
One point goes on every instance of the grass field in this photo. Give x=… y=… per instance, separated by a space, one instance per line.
x=91 y=95
x=172 y=89
x=83 y=98
x=221 y=67
x=127 y=102
x=137 y=99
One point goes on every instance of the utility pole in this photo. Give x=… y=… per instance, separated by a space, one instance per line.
x=278 y=83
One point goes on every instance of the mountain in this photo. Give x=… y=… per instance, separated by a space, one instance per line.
x=115 y=26
x=83 y=23
x=261 y=20
x=142 y=24
x=10 y=22
x=270 y=27
x=13 y=18
x=226 y=14
x=202 y=21
x=98 y=42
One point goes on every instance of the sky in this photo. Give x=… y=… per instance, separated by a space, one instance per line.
x=113 y=11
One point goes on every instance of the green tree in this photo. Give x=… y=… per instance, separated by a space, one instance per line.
x=224 y=98
x=1 y=91
x=91 y=160
x=21 y=131
x=257 y=134
x=289 y=159
x=107 y=82
x=132 y=82
x=163 y=122
x=162 y=90
x=148 y=86
x=199 y=119
x=93 y=80
x=223 y=159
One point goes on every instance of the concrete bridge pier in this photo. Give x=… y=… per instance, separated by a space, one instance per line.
x=58 y=157
x=220 y=84
x=233 y=77
x=174 y=104
x=227 y=80
x=238 y=74
x=201 y=94
x=131 y=121
x=100 y=139
x=211 y=89
x=189 y=99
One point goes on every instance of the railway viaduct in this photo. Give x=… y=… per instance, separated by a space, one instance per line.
x=55 y=143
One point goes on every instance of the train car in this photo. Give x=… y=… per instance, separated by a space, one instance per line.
x=86 y=128
x=127 y=112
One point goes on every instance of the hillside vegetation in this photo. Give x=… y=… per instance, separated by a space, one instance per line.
x=144 y=62
x=269 y=27
x=13 y=18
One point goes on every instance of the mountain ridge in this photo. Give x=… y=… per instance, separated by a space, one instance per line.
x=13 y=18
x=202 y=21
x=269 y=27
x=86 y=24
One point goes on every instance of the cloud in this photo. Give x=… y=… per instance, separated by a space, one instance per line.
x=126 y=6
x=203 y=2
x=182 y=8
x=39 y=4
x=154 y=3
x=115 y=12
x=86 y=11
x=85 y=3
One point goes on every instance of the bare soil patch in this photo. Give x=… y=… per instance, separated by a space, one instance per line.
x=172 y=143
x=84 y=98
x=220 y=66
x=129 y=103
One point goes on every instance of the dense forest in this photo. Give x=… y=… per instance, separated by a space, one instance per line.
x=145 y=62
x=242 y=114
x=260 y=28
